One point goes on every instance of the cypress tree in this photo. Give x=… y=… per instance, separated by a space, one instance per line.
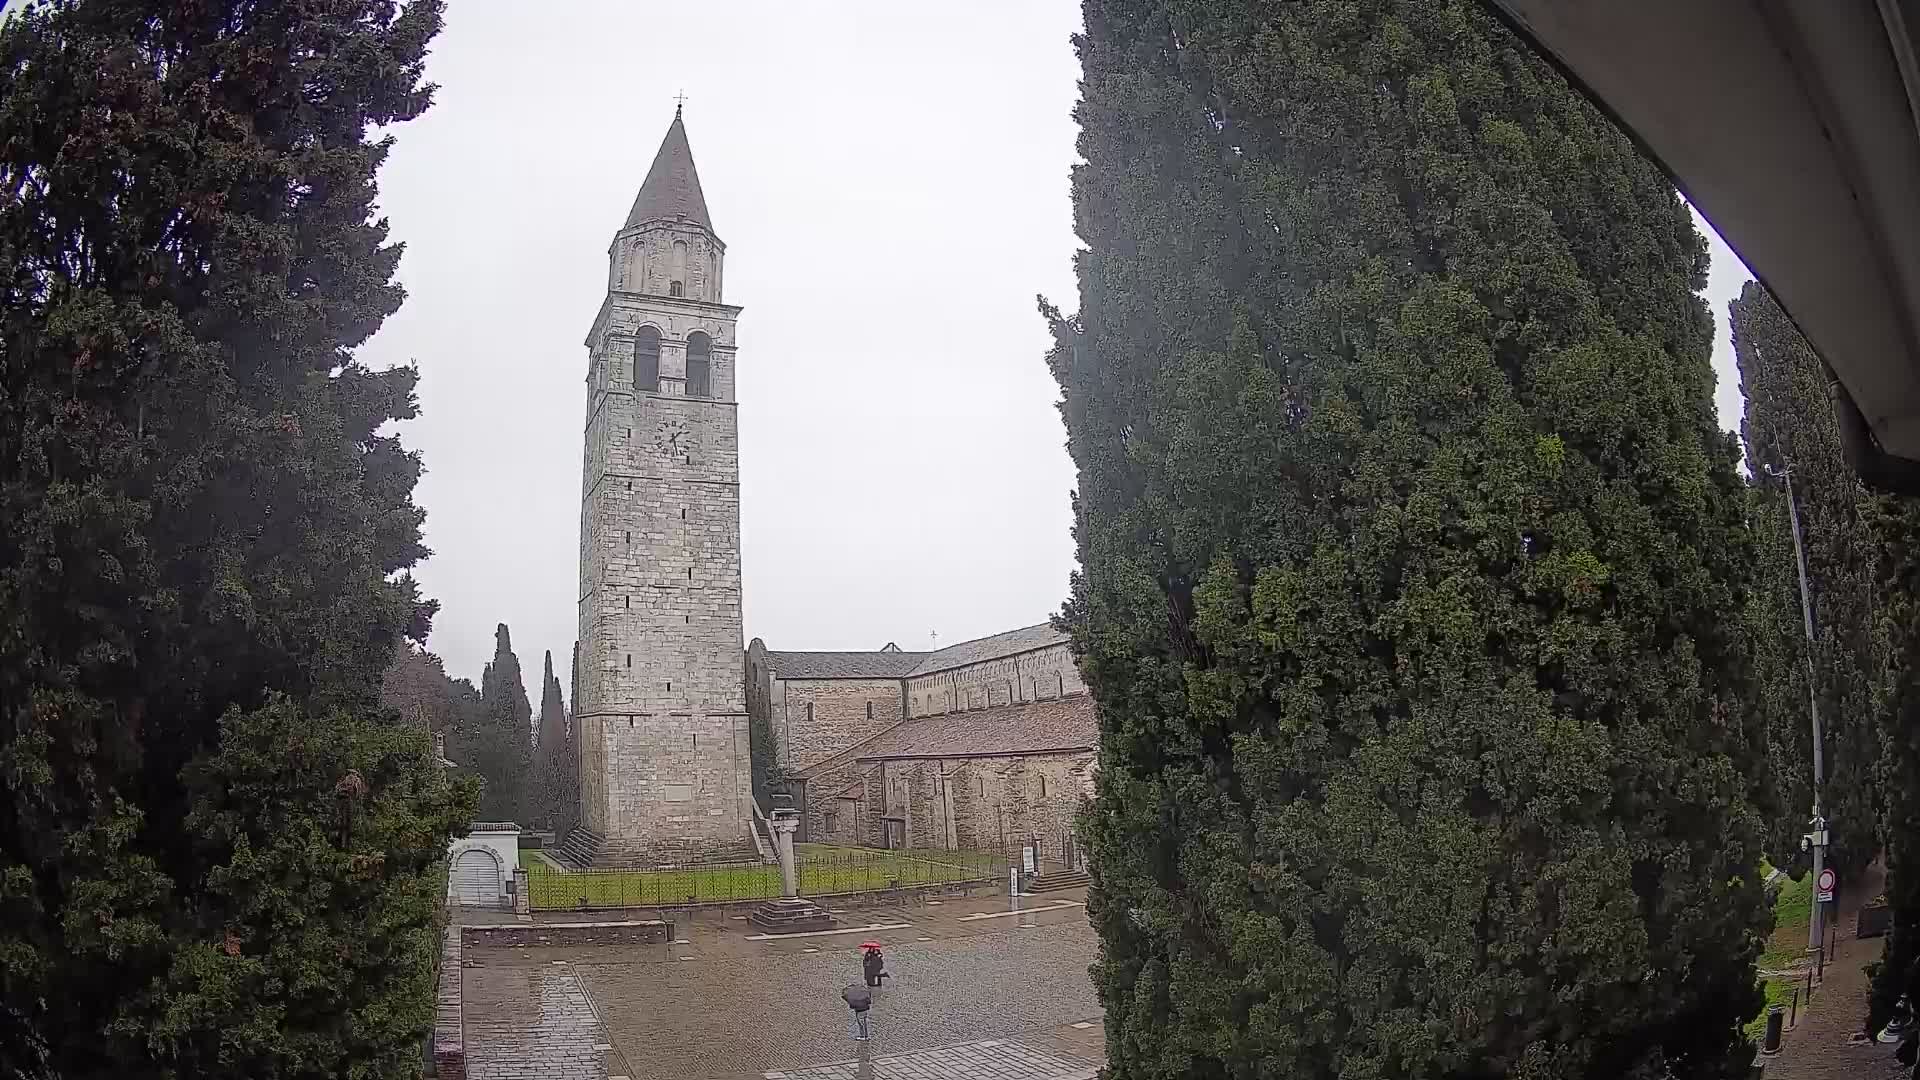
x=1790 y=422
x=1898 y=972
x=217 y=857
x=552 y=766
x=501 y=751
x=1407 y=541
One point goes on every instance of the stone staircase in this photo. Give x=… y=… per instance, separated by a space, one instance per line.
x=1056 y=880
x=580 y=850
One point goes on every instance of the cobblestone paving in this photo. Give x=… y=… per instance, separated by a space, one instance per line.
x=987 y=1060
x=531 y=1024
x=743 y=1016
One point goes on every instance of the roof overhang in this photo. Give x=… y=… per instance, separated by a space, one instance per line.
x=1791 y=126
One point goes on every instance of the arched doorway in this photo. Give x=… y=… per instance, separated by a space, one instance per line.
x=476 y=878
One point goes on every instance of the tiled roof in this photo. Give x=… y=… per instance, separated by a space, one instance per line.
x=893 y=664
x=672 y=187
x=842 y=665
x=1031 y=727
x=1025 y=639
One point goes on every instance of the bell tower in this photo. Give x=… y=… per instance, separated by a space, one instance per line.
x=661 y=704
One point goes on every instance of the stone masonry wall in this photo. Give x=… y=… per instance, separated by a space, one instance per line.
x=1030 y=676
x=642 y=260
x=664 y=752
x=994 y=804
x=814 y=719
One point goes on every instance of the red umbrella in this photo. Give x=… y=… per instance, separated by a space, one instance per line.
x=869 y=944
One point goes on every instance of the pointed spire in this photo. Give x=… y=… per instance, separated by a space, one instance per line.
x=672 y=188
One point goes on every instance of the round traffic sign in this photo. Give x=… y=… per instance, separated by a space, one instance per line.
x=1826 y=879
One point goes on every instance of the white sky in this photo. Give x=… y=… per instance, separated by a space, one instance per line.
x=891 y=181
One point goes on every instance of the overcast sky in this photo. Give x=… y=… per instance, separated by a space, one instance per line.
x=891 y=181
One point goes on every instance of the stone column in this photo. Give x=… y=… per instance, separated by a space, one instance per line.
x=783 y=824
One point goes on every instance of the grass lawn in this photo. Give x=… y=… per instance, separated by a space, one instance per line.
x=1792 y=911
x=1787 y=945
x=823 y=871
x=1777 y=992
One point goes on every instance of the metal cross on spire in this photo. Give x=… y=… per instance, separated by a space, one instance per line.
x=679 y=100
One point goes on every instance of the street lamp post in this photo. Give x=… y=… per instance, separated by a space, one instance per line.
x=1815 y=841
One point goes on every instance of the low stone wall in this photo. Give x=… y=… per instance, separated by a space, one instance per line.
x=449 y=1029
x=623 y=932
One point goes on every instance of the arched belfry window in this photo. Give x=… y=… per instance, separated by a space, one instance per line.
x=677 y=278
x=646 y=359
x=699 y=365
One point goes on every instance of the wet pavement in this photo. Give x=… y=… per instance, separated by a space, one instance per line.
x=986 y=1060
x=532 y=1023
x=977 y=991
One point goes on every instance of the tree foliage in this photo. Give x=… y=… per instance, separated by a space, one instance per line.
x=216 y=859
x=498 y=746
x=1408 y=539
x=416 y=686
x=1790 y=423
x=555 y=763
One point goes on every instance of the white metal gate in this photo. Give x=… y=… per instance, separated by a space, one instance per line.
x=476 y=880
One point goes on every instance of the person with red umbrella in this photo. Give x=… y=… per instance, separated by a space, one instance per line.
x=872 y=963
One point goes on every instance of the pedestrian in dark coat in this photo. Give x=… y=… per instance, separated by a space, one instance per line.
x=859 y=999
x=874 y=965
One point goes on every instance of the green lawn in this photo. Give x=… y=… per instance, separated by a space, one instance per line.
x=1787 y=945
x=1792 y=911
x=824 y=871
x=1777 y=992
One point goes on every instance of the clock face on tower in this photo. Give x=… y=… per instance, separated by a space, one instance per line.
x=673 y=440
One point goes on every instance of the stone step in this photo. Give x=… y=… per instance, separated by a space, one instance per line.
x=581 y=848
x=1055 y=880
x=790 y=915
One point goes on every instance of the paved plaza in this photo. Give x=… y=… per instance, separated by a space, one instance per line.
x=989 y=1059
x=977 y=993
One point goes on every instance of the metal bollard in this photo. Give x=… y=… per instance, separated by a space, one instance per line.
x=1793 y=1009
x=1776 y=1019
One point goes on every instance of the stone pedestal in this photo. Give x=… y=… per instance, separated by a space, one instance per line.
x=791 y=914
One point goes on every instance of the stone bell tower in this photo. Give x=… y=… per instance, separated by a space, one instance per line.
x=661 y=711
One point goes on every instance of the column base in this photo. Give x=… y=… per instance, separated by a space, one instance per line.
x=790 y=915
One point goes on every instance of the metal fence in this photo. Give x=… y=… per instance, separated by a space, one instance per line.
x=821 y=873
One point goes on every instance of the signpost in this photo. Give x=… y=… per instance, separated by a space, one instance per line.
x=1823 y=886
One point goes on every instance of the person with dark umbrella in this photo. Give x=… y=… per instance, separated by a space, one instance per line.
x=859 y=999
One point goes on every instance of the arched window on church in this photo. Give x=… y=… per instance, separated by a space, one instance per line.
x=646 y=359
x=699 y=365
x=677 y=278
